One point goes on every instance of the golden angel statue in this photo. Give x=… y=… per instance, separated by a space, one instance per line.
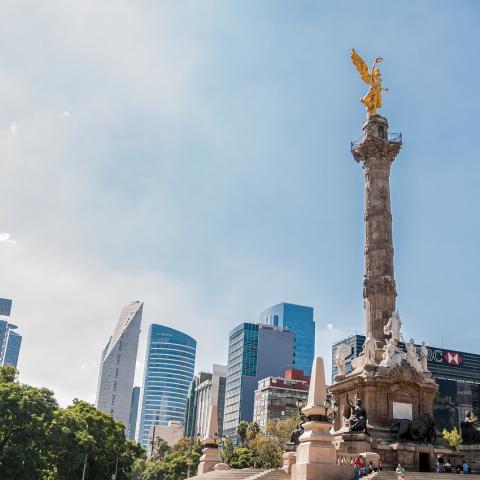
x=373 y=99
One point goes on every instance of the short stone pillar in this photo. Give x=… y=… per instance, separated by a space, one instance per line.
x=288 y=460
x=211 y=456
x=219 y=467
x=316 y=455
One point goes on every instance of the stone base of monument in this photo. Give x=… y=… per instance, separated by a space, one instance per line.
x=472 y=454
x=316 y=455
x=209 y=460
x=351 y=442
x=388 y=395
x=288 y=460
x=220 y=467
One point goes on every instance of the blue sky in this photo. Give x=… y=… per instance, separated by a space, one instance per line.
x=195 y=155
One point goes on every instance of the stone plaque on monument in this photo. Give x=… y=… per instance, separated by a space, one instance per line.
x=402 y=410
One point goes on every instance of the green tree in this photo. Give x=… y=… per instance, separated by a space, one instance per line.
x=267 y=453
x=8 y=374
x=242 y=458
x=241 y=431
x=173 y=467
x=227 y=450
x=138 y=468
x=155 y=471
x=38 y=440
x=253 y=430
x=160 y=449
x=452 y=437
x=25 y=412
x=184 y=444
x=80 y=430
x=280 y=430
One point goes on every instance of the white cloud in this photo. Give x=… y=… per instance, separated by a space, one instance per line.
x=13 y=127
x=7 y=238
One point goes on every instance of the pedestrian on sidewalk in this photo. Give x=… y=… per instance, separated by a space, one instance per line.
x=400 y=471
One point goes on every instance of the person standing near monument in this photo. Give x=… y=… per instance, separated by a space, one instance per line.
x=400 y=471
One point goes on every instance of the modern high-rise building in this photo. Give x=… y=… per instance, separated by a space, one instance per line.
x=117 y=366
x=191 y=405
x=211 y=392
x=169 y=366
x=276 y=397
x=5 y=307
x=132 y=423
x=255 y=352
x=298 y=319
x=10 y=341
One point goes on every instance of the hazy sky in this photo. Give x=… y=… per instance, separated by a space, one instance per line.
x=195 y=155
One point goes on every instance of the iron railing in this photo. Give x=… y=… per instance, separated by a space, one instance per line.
x=392 y=137
x=395 y=137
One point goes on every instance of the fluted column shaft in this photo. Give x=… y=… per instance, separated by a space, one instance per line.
x=377 y=153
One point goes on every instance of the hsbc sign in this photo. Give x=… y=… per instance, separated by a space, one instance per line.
x=438 y=356
x=453 y=358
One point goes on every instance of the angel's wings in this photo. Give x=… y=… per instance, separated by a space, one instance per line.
x=361 y=67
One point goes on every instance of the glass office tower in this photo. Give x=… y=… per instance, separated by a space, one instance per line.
x=169 y=365
x=254 y=352
x=297 y=319
x=10 y=343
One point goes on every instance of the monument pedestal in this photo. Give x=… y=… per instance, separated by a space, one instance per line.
x=351 y=442
x=316 y=455
x=388 y=395
x=209 y=459
x=288 y=460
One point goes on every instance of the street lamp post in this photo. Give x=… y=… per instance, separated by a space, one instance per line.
x=114 y=476
x=190 y=459
x=85 y=466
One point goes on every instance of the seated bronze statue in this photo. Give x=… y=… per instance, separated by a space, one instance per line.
x=358 y=418
x=470 y=432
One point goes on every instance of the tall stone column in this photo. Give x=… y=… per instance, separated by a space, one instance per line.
x=377 y=151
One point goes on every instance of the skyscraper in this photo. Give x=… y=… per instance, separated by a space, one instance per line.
x=298 y=319
x=10 y=341
x=117 y=366
x=211 y=392
x=132 y=424
x=254 y=352
x=169 y=366
x=191 y=405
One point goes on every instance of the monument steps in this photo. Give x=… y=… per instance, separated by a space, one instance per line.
x=391 y=475
x=231 y=474
x=273 y=474
x=245 y=474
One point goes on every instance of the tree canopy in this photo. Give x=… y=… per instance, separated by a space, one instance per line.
x=41 y=441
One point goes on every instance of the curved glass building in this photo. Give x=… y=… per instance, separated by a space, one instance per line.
x=169 y=365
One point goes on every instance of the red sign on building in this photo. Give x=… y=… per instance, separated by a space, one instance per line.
x=453 y=358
